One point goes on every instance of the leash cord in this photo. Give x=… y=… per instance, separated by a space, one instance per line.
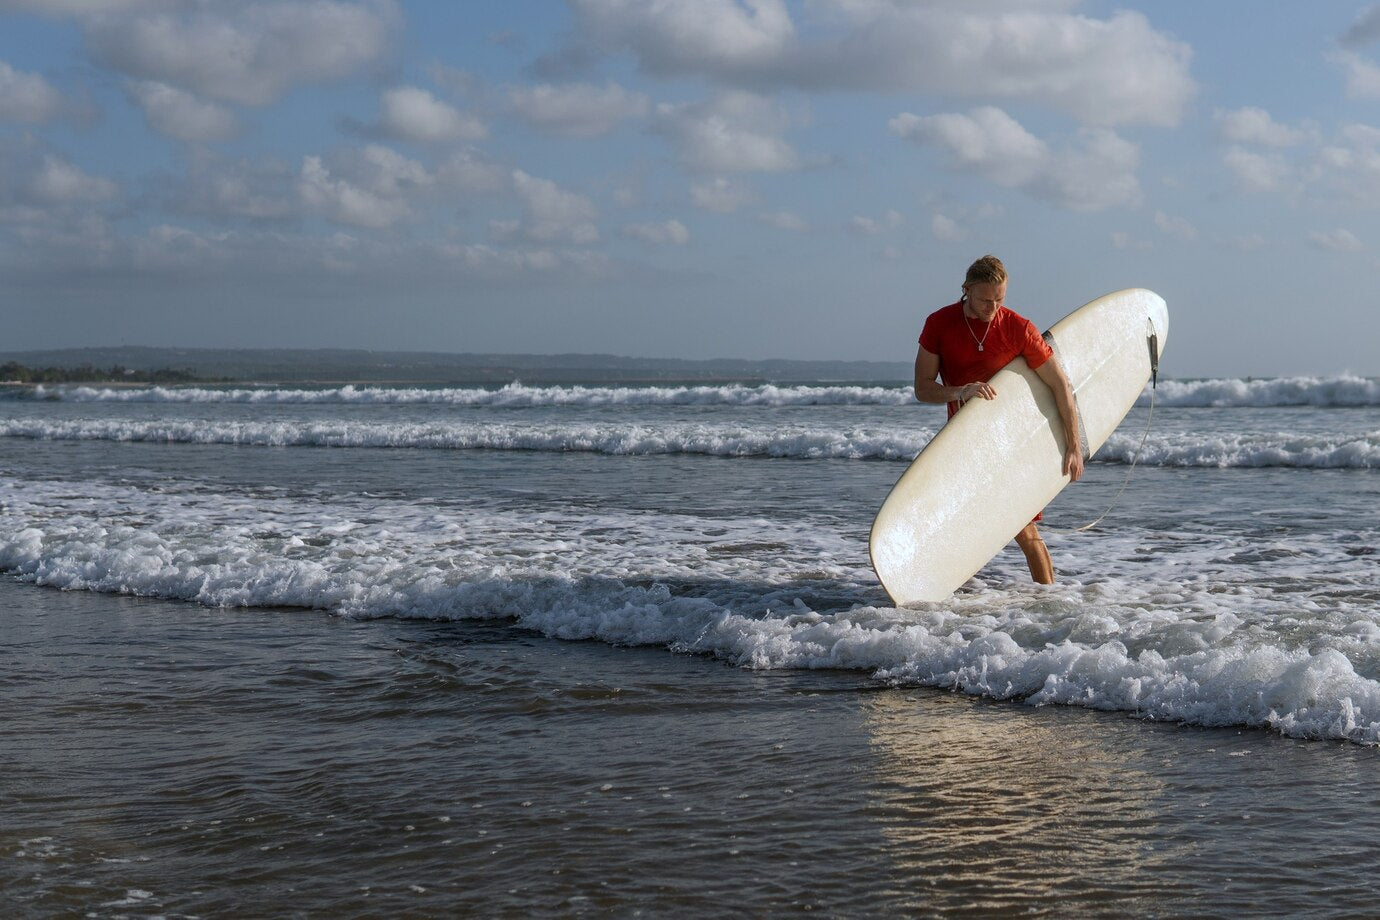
x=1135 y=458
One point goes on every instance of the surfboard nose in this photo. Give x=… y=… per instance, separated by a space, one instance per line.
x=1157 y=312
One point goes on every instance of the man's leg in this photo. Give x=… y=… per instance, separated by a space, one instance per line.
x=1036 y=554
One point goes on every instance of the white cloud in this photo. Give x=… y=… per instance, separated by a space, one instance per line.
x=721 y=195
x=454 y=80
x=1257 y=172
x=1338 y=240
x=1097 y=173
x=1114 y=71
x=987 y=141
x=51 y=223
x=387 y=172
x=86 y=9
x=27 y=97
x=374 y=186
x=51 y=210
x=487 y=261
x=224 y=190
x=170 y=248
x=1124 y=241
x=577 y=110
x=1362 y=76
x=178 y=114
x=1342 y=172
x=670 y=231
x=784 y=220
x=1117 y=70
x=1360 y=135
x=1178 y=227
x=627 y=192
x=873 y=226
x=1251 y=125
x=947 y=229
x=552 y=214
x=504 y=229
x=346 y=202
x=413 y=114
x=83 y=240
x=246 y=53
x=733 y=132
x=719 y=36
x=469 y=171
x=59 y=182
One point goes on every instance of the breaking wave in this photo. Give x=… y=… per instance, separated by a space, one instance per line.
x=514 y=395
x=1319 y=392
x=1217 y=647
x=1190 y=449
x=1263 y=393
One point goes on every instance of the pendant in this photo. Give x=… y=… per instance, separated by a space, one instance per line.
x=979 y=346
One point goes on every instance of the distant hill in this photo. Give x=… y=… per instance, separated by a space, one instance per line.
x=282 y=365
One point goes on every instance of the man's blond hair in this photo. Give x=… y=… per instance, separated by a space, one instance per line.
x=987 y=270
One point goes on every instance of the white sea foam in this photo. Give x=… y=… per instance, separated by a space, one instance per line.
x=1172 y=625
x=514 y=395
x=1193 y=448
x=1265 y=392
x=721 y=440
x=1319 y=392
x=1268 y=449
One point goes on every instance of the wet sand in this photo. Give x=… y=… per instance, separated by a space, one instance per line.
x=167 y=759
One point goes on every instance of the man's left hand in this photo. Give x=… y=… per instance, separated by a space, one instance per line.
x=1073 y=465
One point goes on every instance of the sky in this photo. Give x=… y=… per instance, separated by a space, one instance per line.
x=801 y=179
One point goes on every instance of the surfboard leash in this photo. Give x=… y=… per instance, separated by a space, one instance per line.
x=1135 y=458
x=1152 y=340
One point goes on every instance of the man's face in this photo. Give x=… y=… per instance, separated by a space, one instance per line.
x=984 y=300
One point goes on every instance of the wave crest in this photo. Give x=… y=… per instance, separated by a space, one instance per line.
x=1191 y=449
x=1320 y=392
x=1263 y=393
x=514 y=395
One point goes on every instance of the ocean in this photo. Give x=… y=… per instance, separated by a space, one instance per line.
x=618 y=651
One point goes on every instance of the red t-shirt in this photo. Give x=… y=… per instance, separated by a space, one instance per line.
x=954 y=338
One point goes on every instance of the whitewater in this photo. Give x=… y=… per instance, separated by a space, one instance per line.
x=1205 y=641
x=585 y=650
x=1321 y=392
x=731 y=522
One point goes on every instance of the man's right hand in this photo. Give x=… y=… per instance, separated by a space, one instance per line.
x=970 y=390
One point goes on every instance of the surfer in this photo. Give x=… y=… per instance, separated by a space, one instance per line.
x=967 y=342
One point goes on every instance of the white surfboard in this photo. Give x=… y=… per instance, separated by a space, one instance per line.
x=998 y=462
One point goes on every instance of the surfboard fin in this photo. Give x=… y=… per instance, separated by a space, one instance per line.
x=1153 y=340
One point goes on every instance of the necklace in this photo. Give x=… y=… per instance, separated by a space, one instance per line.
x=985 y=332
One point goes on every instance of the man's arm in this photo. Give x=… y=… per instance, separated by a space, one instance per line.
x=1054 y=377
x=928 y=389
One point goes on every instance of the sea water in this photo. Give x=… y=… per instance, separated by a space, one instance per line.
x=554 y=559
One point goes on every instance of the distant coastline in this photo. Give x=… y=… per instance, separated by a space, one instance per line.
x=343 y=366
x=13 y=373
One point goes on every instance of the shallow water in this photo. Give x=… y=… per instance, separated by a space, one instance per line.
x=629 y=657
x=163 y=759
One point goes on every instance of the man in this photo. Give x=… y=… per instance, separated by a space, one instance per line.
x=967 y=342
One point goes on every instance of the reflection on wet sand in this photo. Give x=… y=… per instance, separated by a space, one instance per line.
x=990 y=812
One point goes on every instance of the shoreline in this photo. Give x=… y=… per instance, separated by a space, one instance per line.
x=545 y=777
